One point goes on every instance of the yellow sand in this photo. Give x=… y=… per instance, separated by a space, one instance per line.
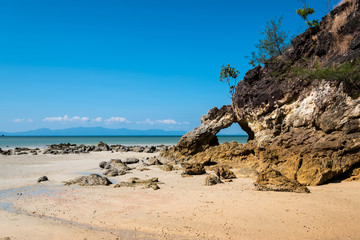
x=182 y=209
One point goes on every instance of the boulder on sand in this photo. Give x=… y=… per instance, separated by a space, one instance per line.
x=91 y=180
x=272 y=180
x=212 y=180
x=43 y=179
x=131 y=160
x=194 y=169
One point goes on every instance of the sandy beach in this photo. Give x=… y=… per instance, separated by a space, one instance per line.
x=183 y=207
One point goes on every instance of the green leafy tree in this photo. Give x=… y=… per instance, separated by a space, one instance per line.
x=273 y=44
x=305 y=12
x=229 y=75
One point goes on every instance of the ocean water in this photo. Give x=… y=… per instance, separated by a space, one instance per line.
x=32 y=142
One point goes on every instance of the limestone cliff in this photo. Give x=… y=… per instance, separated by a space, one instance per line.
x=301 y=110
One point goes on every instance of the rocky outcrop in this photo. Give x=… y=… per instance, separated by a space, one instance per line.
x=194 y=169
x=114 y=167
x=133 y=182
x=204 y=136
x=91 y=180
x=212 y=180
x=42 y=179
x=5 y=152
x=272 y=180
x=306 y=127
x=68 y=148
x=224 y=173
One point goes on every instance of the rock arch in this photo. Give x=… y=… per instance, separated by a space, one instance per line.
x=204 y=136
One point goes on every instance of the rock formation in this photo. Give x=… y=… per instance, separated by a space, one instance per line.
x=91 y=180
x=274 y=181
x=301 y=110
x=204 y=136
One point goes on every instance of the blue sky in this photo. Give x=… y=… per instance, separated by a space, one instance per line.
x=133 y=64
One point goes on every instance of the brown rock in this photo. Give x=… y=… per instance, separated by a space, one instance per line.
x=212 y=180
x=224 y=173
x=92 y=180
x=167 y=167
x=133 y=182
x=155 y=161
x=307 y=128
x=272 y=180
x=194 y=169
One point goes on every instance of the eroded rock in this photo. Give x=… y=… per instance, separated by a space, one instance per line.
x=131 y=160
x=155 y=161
x=224 y=173
x=133 y=182
x=212 y=180
x=308 y=129
x=43 y=179
x=91 y=180
x=194 y=169
x=204 y=136
x=272 y=180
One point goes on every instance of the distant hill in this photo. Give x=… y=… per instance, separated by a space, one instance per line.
x=94 y=131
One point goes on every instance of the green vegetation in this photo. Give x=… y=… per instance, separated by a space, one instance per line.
x=274 y=43
x=305 y=12
x=229 y=74
x=348 y=72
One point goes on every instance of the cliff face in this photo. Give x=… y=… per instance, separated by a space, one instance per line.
x=301 y=115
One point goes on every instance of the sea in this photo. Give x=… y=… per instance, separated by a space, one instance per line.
x=7 y=142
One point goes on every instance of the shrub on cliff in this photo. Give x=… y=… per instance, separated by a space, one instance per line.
x=274 y=43
x=305 y=12
x=348 y=72
x=229 y=74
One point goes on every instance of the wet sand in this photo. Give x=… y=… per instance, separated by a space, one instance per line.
x=183 y=208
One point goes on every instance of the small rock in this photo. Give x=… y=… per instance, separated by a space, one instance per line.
x=42 y=179
x=272 y=180
x=113 y=173
x=212 y=180
x=102 y=164
x=143 y=169
x=155 y=186
x=131 y=160
x=168 y=167
x=194 y=169
x=92 y=180
x=115 y=161
x=155 y=161
x=103 y=146
x=224 y=173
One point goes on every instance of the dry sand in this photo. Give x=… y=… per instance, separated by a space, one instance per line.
x=182 y=209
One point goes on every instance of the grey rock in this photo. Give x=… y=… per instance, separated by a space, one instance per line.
x=42 y=179
x=131 y=160
x=102 y=164
x=92 y=180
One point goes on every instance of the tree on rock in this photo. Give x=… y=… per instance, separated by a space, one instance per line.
x=305 y=12
x=274 y=43
x=229 y=74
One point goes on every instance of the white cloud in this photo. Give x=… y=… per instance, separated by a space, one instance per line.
x=116 y=120
x=163 y=121
x=66 y=118
x=18 y=120
x=168 y=121
x=147 y=121
x=98 y=119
